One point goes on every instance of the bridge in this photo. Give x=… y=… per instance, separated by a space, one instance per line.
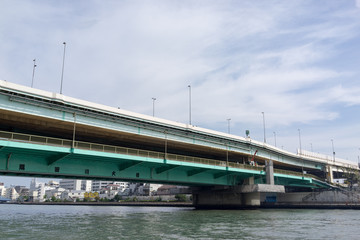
x=47 y=134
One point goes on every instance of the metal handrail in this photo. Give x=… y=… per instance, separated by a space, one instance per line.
x=21 y=137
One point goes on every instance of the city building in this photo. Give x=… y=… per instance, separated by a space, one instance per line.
x=75 y=184
x=2 y=190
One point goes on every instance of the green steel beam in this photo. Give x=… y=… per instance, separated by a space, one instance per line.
x=127 y=165
x=165 y=168
x=222 y=174
x=28 y=159
x=196 y=171
x=57 y=157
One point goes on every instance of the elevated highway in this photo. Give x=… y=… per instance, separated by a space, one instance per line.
x=52 y=135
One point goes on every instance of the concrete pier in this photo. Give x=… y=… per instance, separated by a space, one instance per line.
x=237 y=197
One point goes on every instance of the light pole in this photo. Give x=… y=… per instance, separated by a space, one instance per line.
x=228 y=120
x=332 y=144
x=62 y=72
x=189 y=104
x=300 y=152
x=264 y=126
x=32 y=80
x=153 y=106
x=275 y=138
x=165 y=150
x=299 y=141
x=311 y=147
x=73 y=142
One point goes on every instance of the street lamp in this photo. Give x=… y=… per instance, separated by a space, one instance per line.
x=189 y=104
x=299 y=141
x=32 y=80
x=62 y=72
x=275 y=138
x=264 y=126
x=332 y=143
x=300 y=152
x=153 y=106
x=165 y=150
x=228 y=120
x=73 y=141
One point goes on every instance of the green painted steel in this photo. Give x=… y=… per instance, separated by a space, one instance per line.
x=22 y=158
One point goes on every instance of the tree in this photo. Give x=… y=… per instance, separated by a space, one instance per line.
x=180 y=197
x=352 y=176
x=53 y=199
x=117 y=198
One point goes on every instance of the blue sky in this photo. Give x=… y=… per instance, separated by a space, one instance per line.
x=297 y=61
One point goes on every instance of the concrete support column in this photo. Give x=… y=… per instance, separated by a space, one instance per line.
x=330 y=176
x=270 y=172
x=245 y=196
x=249 y=181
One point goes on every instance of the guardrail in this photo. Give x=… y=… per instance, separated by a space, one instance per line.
x=20 y=137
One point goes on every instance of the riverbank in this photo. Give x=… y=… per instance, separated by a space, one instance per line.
x=144 y=204
x=189 y=204
x=354 y=206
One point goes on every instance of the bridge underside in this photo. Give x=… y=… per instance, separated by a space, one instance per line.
x=32 y=124
x=19 y=158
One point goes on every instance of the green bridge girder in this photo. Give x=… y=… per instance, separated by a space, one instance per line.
x=21 y=158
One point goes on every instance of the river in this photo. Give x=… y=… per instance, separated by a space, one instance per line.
x=119 y=222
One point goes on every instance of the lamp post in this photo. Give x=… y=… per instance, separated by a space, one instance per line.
x=189 y=104
x=153 y=106
x=165 y=150
x=62 y=72
x=264 y=126
x=32 y=80
x=332 y=144
x=228 y=120
x=311 y=147
x=300 y=152
x=275 y=138
x=73 y=141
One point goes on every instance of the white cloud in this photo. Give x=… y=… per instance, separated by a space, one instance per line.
x=241 y=58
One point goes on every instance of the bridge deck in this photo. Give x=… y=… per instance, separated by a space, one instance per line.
x=53 y=157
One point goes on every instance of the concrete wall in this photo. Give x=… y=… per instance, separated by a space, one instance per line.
x=319 y=197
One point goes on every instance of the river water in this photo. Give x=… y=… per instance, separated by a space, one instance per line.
x=118 y=222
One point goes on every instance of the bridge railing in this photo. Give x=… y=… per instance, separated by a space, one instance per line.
x=20 y=137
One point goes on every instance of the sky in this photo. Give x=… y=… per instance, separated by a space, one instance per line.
x=296 y=61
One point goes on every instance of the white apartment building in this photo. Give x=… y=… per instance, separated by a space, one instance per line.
x=73 y=195
x=98 y=185
x=77 y=185
x=56 y=192
x=2 y=190
x=11 y=193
